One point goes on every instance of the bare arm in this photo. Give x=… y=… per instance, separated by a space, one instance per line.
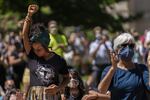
x=53 y=89
x=106 y=81
x=31 y=10
x=25 y=35
x=103 y=97
x=93 y=95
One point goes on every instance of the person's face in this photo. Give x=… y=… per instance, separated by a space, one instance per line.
x=74 y=82
x=126 y=51
x=97 y=34
x=104 y=38
x=39 y=50
x=9 y=84
x=53 y=28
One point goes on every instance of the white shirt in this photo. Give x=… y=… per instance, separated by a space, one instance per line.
x=102 y=56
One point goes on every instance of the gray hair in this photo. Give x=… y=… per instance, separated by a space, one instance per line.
x=123 y=39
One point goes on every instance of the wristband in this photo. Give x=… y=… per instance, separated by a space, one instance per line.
x=28 y=19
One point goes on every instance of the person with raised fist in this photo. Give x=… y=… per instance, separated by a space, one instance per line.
x=45 y=66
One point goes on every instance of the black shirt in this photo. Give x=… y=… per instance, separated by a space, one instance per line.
x=46 y=72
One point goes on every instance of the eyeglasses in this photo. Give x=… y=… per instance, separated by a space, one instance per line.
x=130 y=45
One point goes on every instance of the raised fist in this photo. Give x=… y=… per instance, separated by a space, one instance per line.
x=32 y=9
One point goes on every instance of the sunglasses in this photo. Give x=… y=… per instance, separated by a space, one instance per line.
x=129 y=45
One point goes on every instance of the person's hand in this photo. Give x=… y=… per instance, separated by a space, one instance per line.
x=32 y=9
x=102 y=41
x=114 y=59
x=108 y=93
x=90 y=97
x=63 y=97
x=19 y=96
x=93 y=92
x=52 y=89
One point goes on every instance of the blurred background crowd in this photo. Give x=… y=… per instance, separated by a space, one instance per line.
x=79 y=51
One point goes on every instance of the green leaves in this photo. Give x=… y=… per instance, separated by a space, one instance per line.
x=88 y=13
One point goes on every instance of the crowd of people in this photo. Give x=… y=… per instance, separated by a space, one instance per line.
x=42 y=63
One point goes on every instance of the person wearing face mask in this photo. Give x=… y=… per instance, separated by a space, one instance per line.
x=9 y=84
x=75 y=89
x=58 y=41
x=125 y=79
x=98 y=51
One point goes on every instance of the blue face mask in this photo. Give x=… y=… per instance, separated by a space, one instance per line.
x=126 y=53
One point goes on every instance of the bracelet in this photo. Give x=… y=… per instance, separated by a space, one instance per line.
x=28 y=19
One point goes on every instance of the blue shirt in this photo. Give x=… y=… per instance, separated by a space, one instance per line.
x=129 y=84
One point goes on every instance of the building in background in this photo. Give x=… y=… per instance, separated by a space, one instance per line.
x=140 y=6
x=126 y=8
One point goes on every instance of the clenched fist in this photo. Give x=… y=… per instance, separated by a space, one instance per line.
x=32 y=9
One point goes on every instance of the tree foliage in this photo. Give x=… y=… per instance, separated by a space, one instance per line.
x=88 y=13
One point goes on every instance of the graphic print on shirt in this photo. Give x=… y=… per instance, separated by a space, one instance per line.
x=45 y=73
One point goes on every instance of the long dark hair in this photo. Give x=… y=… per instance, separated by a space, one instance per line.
x=81 y=86
x=9 y=93
x=38 y=33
